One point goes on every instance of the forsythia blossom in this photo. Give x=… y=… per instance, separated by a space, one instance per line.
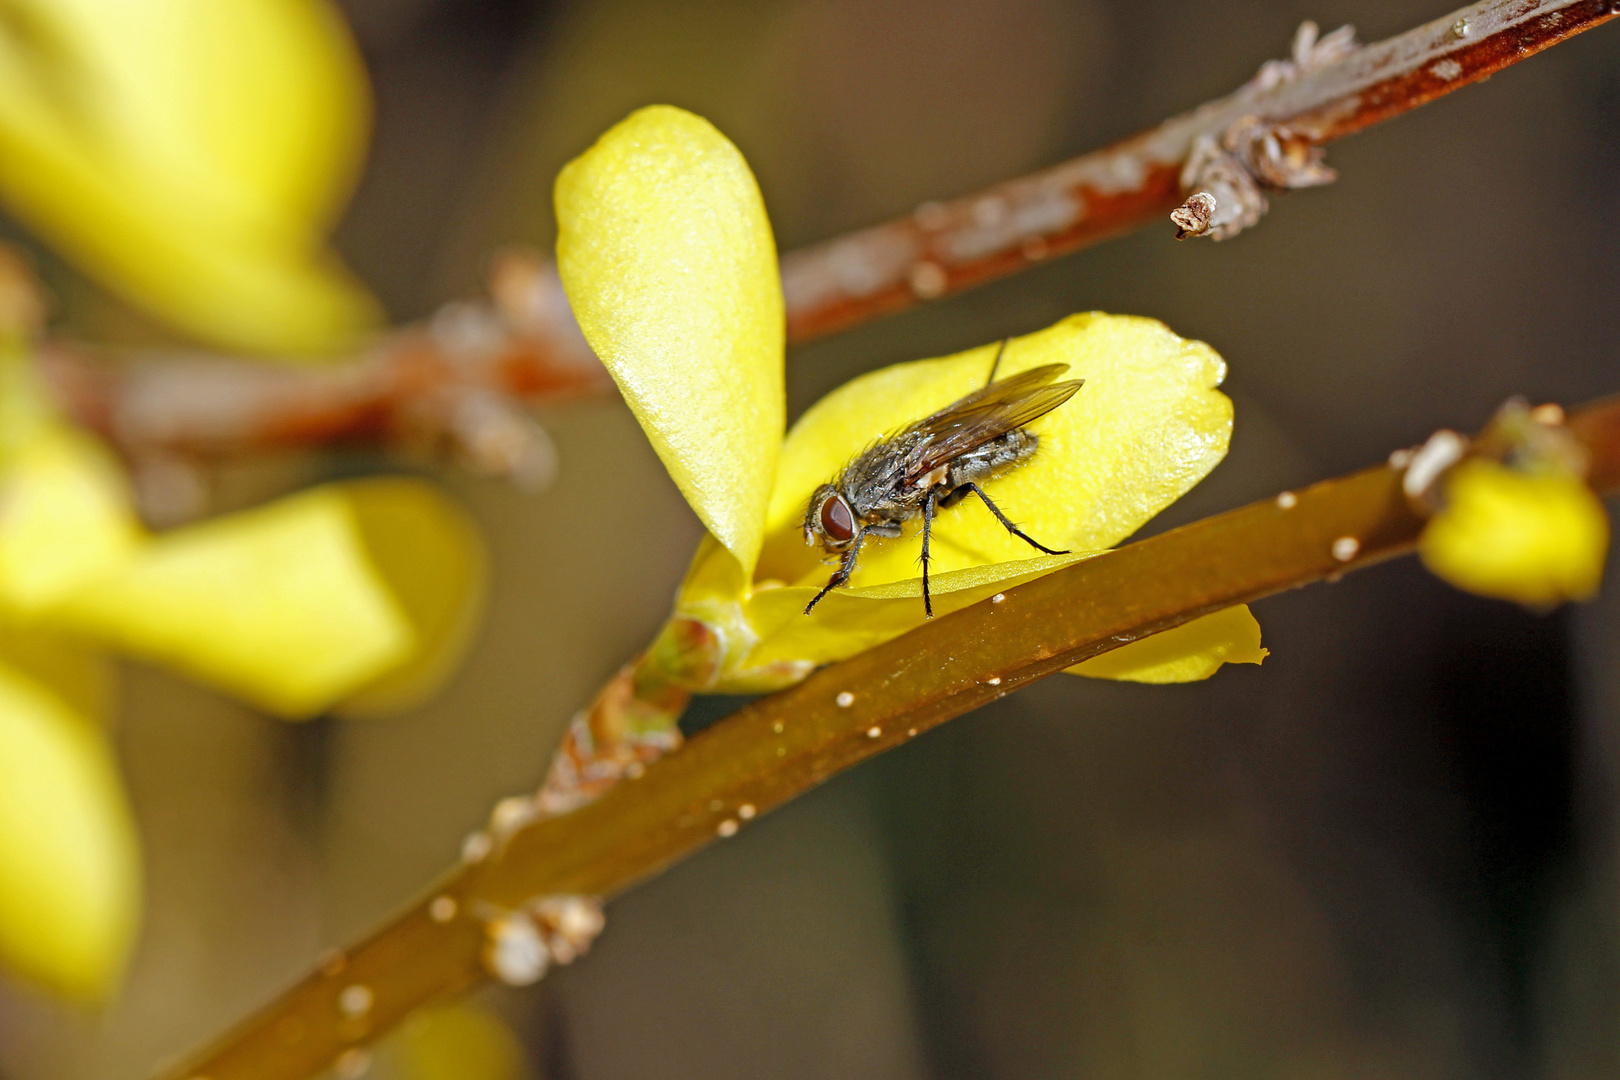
x=667 y=255
x=1537 y=537
x=357 y=594
x=190 y=155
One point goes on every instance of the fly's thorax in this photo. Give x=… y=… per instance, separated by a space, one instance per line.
x=879 y=471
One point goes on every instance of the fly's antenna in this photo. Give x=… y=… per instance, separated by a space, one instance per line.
x=996 y=364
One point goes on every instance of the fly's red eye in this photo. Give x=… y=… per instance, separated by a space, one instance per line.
x=836 y=519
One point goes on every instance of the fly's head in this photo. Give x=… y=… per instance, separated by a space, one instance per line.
x=829 y=520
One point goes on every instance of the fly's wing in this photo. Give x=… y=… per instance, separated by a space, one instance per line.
x=1011 y=386
x=987 y=414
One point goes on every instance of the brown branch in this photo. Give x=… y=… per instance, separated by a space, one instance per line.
x=453 y=376
x=943 y=248
x=783 y=745
x=448 y=378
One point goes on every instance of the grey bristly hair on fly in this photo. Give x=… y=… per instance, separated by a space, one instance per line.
x=933 y=465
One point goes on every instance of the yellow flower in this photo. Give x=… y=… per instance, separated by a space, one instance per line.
x=69 y=867
x=1537 y=537
x=667 y=256
x=369 y=585
x=453 y=1042
x=358 y=595
x=191 y=154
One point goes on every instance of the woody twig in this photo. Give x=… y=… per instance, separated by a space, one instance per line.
x=458 y=378
x=456 y=381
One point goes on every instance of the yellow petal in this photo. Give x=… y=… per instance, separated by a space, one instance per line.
x=455 y=1042
x=1147 y=425
x=65 y=520
x=432 y=557
x=69 y=866
x=293 y=606
x=190 y=154
x=1188 y=653
x=1537 y=539
x=670 y=267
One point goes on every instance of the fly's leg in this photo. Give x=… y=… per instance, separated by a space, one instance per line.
x=961 y=493
x=995 y=365
x=928 y=525
x=841 y=575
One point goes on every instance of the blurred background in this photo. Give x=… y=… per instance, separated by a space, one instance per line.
x=1388 y=852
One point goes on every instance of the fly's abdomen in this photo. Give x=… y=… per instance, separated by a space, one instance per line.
x=999 y=455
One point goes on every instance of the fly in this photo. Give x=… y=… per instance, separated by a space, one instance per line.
x=933 y=465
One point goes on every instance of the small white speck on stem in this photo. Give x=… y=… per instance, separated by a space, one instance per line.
x=746 y=811
x=988 y=211
x=442 y=909
x=569 y=924
x=844 y=699
x=994 y=680
x=998 y=598
x=727 y=827
x=476 y=846
x=514 y=951
x=1287 y=500
x=1345 y=548
x=512 y=813
x=1446 y=69
x=932 y=215
x=352 y=1064
x=1443 y=450
x=928 y=280
x=874 y=732
x=355 y=1000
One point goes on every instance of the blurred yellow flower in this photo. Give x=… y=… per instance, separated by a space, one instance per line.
x=302 y=603
x=69 y=865
x=360 y=594
x=453 y=1042
x=368 y=585
x=667 y=256
x=191 y=155
x=1536 y=537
